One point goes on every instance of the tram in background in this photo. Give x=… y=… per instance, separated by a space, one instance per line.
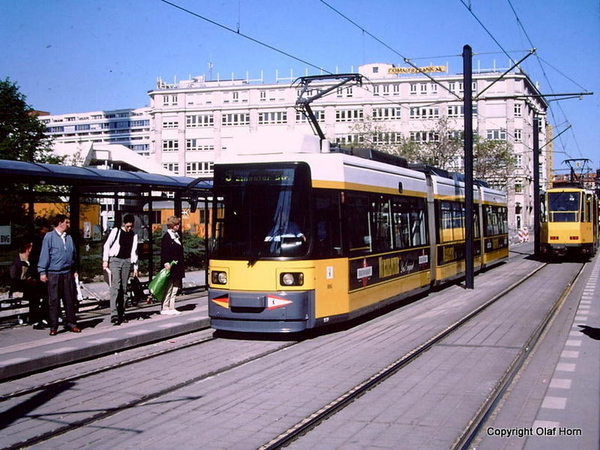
x=569 y=222
x=309 y=238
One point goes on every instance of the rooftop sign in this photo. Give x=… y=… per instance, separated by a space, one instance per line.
x=401 y=70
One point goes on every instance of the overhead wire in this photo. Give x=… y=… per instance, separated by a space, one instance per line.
x=245 y=36
x=404 y=58
x=545 y=75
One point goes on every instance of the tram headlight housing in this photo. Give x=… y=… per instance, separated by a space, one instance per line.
x=291 y=279
x=219 y=277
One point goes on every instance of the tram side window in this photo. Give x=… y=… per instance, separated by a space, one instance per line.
x=381 y=220
x=496 y=221
x=356 y=223
x=587 y=209
x=409 y=224
x=328 y=240
x=452 y=221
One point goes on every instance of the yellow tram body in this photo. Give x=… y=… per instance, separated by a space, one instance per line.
x=311 y=238
x=569 y=222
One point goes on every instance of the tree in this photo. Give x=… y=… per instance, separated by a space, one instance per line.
x=22 y=135
x=493 y=160
x=22 y=138
x=442 y=147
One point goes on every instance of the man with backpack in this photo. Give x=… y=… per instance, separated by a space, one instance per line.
x=119 y=254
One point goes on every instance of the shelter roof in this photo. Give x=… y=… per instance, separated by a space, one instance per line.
x=53 y=174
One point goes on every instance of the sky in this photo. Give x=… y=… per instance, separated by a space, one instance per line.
x=69 y=56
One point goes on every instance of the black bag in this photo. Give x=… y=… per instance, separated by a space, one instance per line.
x=136 y=291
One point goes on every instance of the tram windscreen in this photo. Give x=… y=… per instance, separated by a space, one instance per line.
x=563 y=206
x=264 y=211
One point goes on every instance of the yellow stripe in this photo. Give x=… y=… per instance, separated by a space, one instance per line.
x=341 y=185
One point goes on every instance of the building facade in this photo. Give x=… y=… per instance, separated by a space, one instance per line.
x=127 y=127
x=190 y=123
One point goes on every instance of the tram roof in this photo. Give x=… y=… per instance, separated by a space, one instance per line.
x=53 y=174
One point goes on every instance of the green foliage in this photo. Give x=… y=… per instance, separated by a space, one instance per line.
x=493 y=160
x=22 y=135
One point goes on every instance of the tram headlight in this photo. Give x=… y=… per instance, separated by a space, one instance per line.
x=292 y=279
x=219 y=277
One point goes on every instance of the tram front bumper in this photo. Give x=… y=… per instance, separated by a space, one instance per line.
x=281 y=311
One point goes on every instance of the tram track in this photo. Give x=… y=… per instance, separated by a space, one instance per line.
x=475 y=427
x=48 y=390
x=221 y=374
x=471 y=431
x=104 y=368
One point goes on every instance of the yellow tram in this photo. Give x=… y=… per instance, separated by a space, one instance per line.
x=309 y=238
x=569 y=222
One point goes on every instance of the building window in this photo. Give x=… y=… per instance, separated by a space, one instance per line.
x=386 y=113
x=424 y=136
x=235 y=119
x=413 y=89
x=272 y=118
x=170 y=124
x=518 y=135
x=496 y=135
x=170 y=100
x=170 y=145
x=173 y=167
x=348 y=115
x=519 y=161
x=424 y=112
x=387 y=138
x=199 y=168
x=319 y=114
x=456 y=111
x=518 y=187
x=518 y=110
x=195 y=145
x=201 y=120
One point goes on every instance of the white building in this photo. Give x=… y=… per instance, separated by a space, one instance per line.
x=127 y=127
x=191 y=122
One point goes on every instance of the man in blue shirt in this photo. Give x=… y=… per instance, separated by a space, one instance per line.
x=57 y=268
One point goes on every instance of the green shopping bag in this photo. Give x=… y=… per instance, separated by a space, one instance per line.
x=158 y=285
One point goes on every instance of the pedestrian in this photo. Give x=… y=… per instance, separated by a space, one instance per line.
x=38 y=303
x=171 y=249
x=119 y=255
x=57 y=268
x=20 y=271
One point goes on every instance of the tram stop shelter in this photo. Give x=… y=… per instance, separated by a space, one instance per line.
x=132 y=192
